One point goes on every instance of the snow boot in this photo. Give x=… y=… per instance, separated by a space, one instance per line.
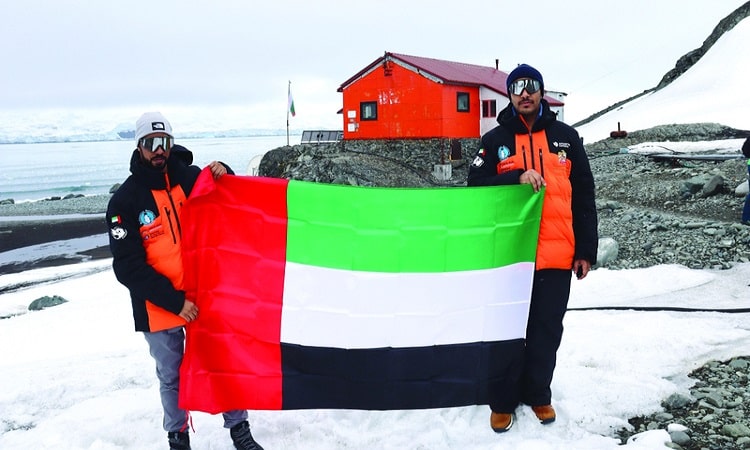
x=242 y=438
x=501 y=422
x=545 y=413
x=178 y=440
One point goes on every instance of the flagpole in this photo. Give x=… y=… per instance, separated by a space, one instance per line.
x=288 y=96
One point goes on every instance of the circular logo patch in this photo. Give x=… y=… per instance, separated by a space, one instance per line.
x=146 y=217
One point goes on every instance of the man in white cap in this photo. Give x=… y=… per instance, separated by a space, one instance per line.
x=530 y=146
x=145 y=240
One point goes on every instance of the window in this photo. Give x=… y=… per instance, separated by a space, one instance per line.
x=368 y=110
x=462 y=102
x=489 y=108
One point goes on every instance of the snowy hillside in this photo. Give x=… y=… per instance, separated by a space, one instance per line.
x=713 y=90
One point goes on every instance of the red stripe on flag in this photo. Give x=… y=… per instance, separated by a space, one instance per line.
x=235 y=342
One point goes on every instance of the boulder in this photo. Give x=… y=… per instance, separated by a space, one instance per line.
x=46 y=302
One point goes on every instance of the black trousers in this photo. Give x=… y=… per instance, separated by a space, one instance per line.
x=530 y=383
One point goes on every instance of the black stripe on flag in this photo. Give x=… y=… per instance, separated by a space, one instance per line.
x=397 y=378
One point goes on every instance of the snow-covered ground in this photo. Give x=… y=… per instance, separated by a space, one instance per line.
x=76 y=376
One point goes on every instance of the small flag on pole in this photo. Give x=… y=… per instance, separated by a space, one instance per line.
x=291 y=101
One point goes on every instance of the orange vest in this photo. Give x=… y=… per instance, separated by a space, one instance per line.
x=162 y=241
x=556 y=246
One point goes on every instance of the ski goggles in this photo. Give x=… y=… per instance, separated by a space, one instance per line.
x=531 y=86
x=152 y=144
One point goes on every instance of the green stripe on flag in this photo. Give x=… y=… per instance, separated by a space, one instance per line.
x=411 y=229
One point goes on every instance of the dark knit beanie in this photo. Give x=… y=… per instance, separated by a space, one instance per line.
x=523 y=71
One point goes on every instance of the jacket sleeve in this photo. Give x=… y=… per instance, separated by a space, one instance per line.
x=585 y=220
x=226 y=166
x=483 y=168
x=129 y=258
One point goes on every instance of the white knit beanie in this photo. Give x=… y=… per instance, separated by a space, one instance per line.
x=152 y=122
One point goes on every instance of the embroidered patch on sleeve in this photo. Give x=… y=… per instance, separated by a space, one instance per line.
x=118 y=233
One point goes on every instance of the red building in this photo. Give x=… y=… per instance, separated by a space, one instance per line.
x=401 y=96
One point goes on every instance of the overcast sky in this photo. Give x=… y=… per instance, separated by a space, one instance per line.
x=156 y=54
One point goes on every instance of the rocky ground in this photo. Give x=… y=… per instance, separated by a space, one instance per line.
x=715 y=417
x=657 y=212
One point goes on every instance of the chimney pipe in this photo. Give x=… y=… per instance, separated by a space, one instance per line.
x=497 y=64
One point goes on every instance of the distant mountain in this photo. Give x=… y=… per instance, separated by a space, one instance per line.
x=718 y=67
x=689 y=59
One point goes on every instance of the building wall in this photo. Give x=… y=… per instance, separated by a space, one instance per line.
x=460 y=124
x=501 y=101
x=409 y=105
x=559 y=110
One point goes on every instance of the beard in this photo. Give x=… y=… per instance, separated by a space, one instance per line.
x=158 y=163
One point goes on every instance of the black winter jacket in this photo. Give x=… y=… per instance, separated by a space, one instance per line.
x=132 y=205
x=483 y=171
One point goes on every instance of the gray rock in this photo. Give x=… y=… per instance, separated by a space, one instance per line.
x=715 y=399
x=739 y=363
x=607 y=252
x=741 y=190
x=680 y=438
x=46 y=302
x=714 y=186
x=694 y=185
x=736 y=430
x=676 y=401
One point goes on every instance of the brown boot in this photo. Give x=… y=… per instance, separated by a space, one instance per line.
x=545 y=414
x=501 y=422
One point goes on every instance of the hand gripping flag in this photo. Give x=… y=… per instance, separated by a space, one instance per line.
x=328 y=296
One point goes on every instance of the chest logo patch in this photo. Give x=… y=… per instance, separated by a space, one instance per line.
x=146 y=217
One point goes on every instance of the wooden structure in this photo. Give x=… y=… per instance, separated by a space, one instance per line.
x=400 y=96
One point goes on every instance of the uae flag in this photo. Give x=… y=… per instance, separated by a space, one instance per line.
x=327 y=296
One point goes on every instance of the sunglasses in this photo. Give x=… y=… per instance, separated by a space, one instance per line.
x=531 y=86
x=152 y=144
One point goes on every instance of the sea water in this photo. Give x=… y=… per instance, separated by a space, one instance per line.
x=30 y=172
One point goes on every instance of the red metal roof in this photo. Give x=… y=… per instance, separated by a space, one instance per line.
x=449 y=72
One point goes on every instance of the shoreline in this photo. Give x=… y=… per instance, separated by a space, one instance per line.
x=27 y=230
x=91 y=204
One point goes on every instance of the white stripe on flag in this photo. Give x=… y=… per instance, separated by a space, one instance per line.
x=347 y=309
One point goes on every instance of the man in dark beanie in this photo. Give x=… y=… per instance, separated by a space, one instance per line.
x=524 y=71
x=530 y=146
